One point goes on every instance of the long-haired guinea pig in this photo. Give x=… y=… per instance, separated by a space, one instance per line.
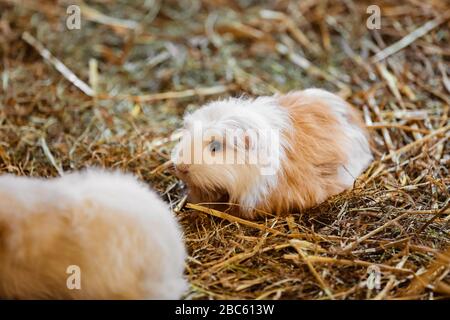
x=272 y=154
x=88 y=235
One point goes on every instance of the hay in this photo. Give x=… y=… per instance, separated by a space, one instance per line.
x=142 y=65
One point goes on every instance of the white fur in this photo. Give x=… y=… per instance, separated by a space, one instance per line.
x=244 y=184
x=123 y=237
x=356 y=146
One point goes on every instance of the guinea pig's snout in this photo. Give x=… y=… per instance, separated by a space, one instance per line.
x=182 y=168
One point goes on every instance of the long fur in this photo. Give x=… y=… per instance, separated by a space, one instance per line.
x=123 y=238
x=324 y=147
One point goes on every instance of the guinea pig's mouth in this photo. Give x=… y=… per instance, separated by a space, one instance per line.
x=175 y=170
x=197 y=189
x=198 y=194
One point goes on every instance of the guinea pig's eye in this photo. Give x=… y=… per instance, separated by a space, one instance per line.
x=215 y=146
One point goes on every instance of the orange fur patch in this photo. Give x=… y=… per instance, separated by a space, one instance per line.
x=309 y=173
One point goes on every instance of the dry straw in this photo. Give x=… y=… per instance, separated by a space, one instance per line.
x=151 y=61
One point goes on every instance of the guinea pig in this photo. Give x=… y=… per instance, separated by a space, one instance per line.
x=87 y=235
x=273 y=154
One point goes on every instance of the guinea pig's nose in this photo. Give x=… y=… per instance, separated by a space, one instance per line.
x=182 y=168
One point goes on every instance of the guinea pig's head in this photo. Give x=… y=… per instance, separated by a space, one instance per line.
x=231 y=148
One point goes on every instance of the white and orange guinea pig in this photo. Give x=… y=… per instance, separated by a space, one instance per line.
x=88 y=235
x=272 y=155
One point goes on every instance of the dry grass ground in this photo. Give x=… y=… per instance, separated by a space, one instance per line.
x=146 y=63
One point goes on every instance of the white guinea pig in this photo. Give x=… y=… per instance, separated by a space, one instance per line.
x=314 y=143
x=88 y=235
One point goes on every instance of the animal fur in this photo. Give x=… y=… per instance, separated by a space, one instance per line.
x=323 y=148
x=123 y=238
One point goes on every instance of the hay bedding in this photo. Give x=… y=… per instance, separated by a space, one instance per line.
x=144 y=63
